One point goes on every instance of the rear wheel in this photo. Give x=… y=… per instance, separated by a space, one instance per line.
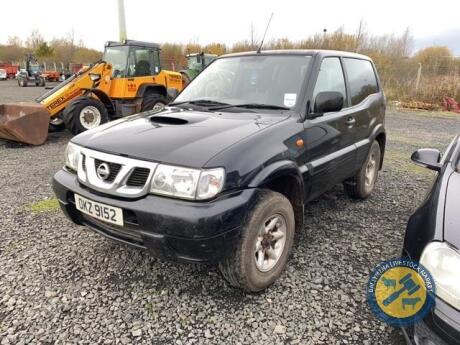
x=153 y=101
x=185 y=79
x=362 y=184
x=83 y=114
x=266 y=241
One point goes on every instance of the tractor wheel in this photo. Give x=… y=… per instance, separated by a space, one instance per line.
x=153 y=101
x=84 y=113
x=185 y=79
x=41 y=81
x=22 y=82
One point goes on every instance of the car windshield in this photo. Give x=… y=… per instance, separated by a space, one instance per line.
x=117 y=57
x=34 y=68
x=274 y=80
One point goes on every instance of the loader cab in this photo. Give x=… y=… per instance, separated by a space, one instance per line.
x=133 y=59
x=198 y=61
x=133 y=64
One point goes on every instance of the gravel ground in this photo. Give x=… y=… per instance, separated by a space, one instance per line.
x=60 y=283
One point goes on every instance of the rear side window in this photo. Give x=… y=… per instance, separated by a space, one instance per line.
x=362 y=79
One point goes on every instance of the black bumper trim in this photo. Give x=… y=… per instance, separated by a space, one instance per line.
x=170 y=228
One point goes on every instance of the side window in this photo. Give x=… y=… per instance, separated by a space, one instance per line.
x=362 y=80
x=141 y=62
x=330 y=78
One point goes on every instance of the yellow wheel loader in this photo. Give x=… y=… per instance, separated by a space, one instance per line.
x=128 y=80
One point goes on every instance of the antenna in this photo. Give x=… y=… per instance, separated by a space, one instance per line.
x=266 y=29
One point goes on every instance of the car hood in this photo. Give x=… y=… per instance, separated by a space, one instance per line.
x=182 y=137
x=452 y=215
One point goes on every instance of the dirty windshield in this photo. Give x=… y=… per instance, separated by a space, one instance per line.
x=117 y=57
x=274 y=80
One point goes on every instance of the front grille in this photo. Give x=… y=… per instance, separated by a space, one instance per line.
x=127 y=232
x=114 y=169
x=138 y=177
x=122 y=176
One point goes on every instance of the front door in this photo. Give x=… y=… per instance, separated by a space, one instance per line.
x=331 y=155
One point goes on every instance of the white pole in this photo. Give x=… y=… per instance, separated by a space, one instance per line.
x=121 y=20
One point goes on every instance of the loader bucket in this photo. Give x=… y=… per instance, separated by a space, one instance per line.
x=24 y=122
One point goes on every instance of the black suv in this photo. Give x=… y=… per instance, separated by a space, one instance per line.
x=223 y=173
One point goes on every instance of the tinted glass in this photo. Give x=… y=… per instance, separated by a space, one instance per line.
x=362 y=80
x=262 y=79
x=330 y=78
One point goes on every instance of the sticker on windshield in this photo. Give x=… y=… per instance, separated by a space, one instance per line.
x=289 y=99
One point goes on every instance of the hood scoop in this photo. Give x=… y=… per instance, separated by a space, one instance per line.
x=168 y=120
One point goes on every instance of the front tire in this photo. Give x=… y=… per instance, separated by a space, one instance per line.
x=84 y=113
x=266 y=241
x=362 y=184
x=153 y=101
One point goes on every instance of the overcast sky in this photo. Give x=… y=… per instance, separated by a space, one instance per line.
x=205 y=21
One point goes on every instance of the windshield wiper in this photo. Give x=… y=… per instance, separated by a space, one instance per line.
x=203 y=102
x=251 y=106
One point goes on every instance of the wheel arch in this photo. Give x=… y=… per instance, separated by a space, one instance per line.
x=147 y=88
x=284 y=177
x=379 y=134
x=105 y=99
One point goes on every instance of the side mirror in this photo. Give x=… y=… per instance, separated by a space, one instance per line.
x=326 y=102
x=428 y=158
x=172 y=93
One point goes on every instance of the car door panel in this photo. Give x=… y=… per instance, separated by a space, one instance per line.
x=332 y=154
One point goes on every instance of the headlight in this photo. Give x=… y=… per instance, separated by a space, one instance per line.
x=187 y=183
x=443 y=261
x=72 y=155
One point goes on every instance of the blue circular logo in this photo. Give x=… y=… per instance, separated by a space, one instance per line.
x=401 y=292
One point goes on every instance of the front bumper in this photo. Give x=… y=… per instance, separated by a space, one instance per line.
x=171 y=228
x=440 y=327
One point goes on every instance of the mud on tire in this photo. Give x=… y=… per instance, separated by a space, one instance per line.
x=240 y=268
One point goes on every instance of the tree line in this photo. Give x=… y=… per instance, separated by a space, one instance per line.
x=399 y=68
x=63 y=50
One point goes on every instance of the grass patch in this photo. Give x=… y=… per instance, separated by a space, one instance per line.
x=47 y=205
x=400 y=162
x=395 y=137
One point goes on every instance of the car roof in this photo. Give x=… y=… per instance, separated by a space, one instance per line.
x=312 y=52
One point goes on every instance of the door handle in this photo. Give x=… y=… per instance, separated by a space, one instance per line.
x=350 y=121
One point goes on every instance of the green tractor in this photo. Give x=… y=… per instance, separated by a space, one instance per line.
x=195 y=64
